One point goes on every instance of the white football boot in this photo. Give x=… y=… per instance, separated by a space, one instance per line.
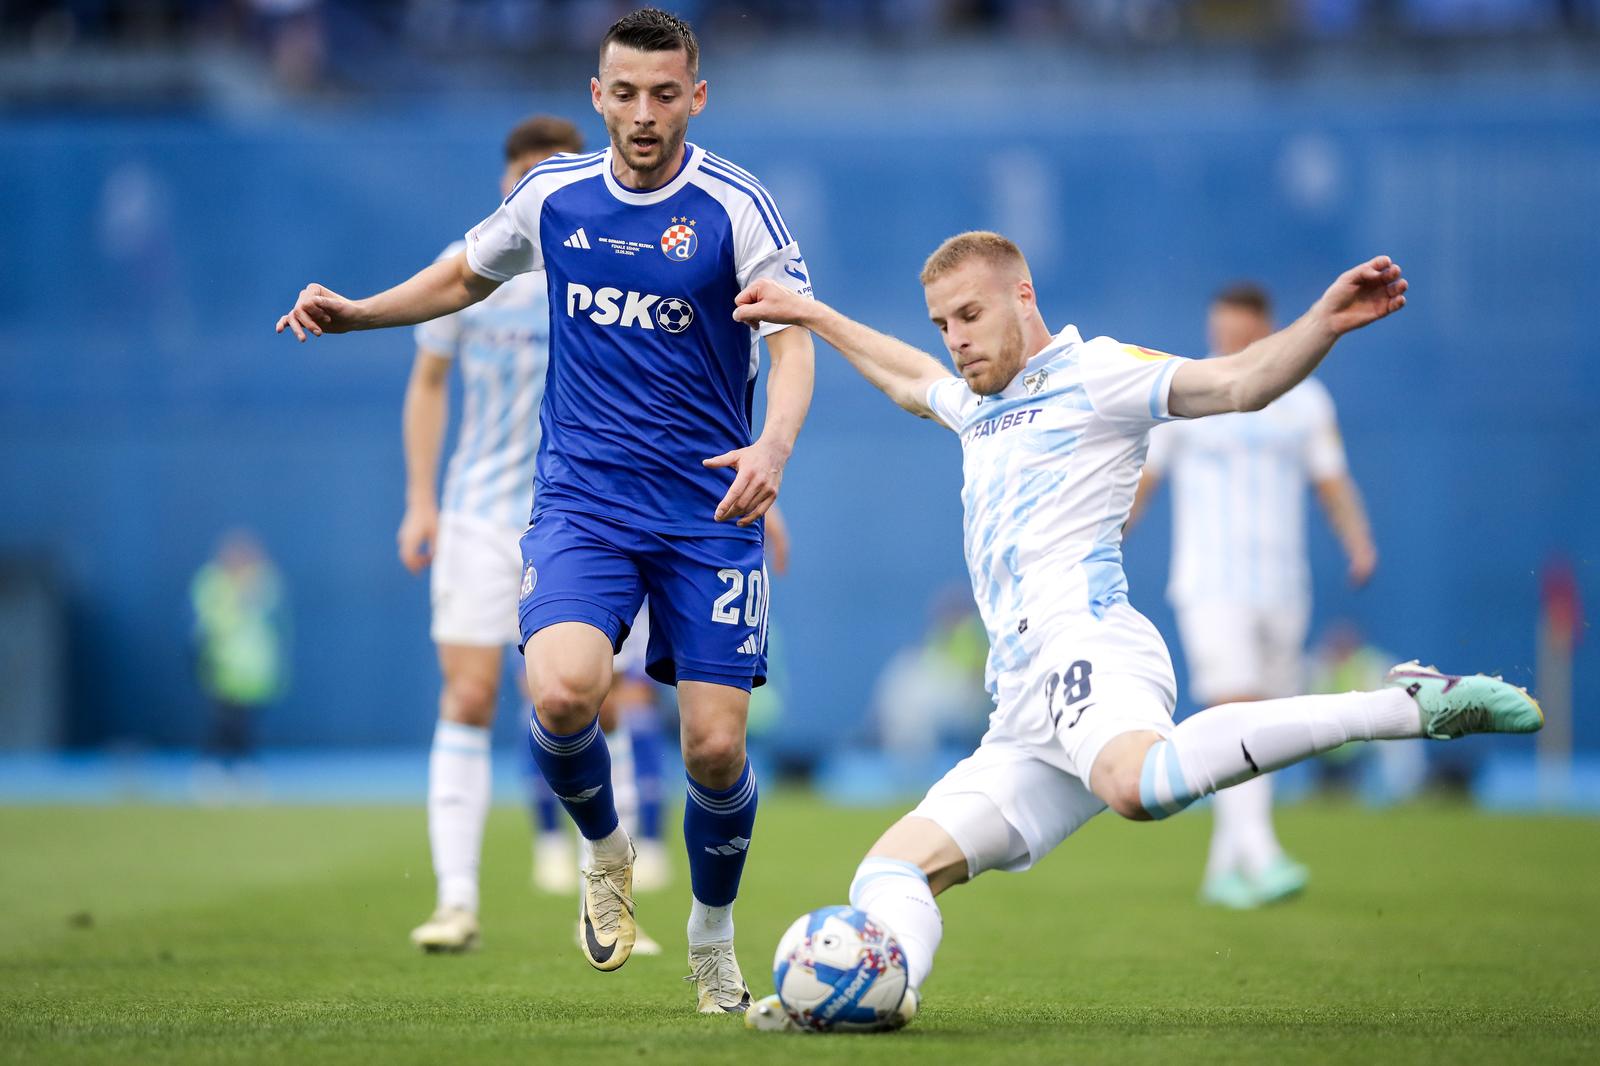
x=449 y=930
x=605 y=912
x=643 y=942
x=652 y=870
x=555 y=863
x=718 y=984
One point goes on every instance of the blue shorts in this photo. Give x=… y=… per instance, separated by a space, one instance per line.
x=707 y=592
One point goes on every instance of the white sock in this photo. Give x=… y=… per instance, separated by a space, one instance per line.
x=1224 y=745
x=612 y=847
x=458 y=803
x=709 y=925
x=896 y=893
x=1242 y=838
x=624 y=787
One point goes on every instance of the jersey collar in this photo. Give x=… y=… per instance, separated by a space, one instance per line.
x=692 y=154
x=1018 y=386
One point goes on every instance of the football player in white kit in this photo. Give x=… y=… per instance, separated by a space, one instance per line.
x=1054 y=430
x=469 y=534
x=1241 y=582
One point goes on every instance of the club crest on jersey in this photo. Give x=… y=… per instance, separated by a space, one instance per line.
x=1036 y=382
x=679 y=241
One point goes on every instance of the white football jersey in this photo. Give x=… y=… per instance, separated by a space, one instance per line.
x=1051 y=464
x=1239 y=498
x=502 y=345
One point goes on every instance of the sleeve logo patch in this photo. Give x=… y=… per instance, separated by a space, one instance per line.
x=1149 y=355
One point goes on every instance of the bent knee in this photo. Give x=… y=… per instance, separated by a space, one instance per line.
x=566 y=705
x=714 y=758
x=1120 y=791
x=469 y=700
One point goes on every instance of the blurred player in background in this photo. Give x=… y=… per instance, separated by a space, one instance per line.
x=648 y=481
x=1053 y=431
x=1241 y=580
x=470 y=535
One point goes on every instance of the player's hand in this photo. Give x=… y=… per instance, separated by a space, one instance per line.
x=777 y=541
x=419 y=531
x=764 y=300
x=1362 y=295
x=755 y=485
x=1363 y=561
x=319 y=310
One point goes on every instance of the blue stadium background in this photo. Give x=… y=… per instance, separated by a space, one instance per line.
x=146 y=406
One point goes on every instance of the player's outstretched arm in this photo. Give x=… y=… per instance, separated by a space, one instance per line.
x=894 y=367
x=1272 y=366
x=446 y=286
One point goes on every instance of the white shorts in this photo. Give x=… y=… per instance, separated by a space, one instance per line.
x=1026 y=788
x=630 y=660
x=477 y=574
x=1239 y=649
x=477 y=577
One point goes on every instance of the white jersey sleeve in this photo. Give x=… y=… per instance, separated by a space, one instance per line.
x=1128 y=385
x=952 y=402
x=762 y=244
x=441 y=335
x=1165 y=442
x=507 y=242
x=1324 y=448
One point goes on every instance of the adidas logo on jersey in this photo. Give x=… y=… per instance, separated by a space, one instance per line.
x=577 y=240
x=607 y=306
x=750 y=647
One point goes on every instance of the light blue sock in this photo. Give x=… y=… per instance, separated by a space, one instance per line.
x=1163 y=791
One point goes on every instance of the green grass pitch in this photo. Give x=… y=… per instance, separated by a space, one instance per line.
x=279 y=935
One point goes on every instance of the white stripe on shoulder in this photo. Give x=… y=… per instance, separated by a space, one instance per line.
x=745 y=213
x=557 y=172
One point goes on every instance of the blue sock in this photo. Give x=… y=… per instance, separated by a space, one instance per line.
x=644 y=733
x=541 y=801
x=716 y=829
x=578 y=769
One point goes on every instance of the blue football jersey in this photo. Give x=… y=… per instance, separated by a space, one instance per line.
x=649 y=373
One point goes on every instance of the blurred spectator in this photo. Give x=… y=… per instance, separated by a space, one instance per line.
x=932 y=695
x=240 y=631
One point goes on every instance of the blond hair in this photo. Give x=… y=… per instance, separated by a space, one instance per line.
x=991 y=247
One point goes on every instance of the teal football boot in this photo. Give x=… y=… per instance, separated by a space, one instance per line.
x=1282 y=880
x=1453 y=706
x=1230 y=890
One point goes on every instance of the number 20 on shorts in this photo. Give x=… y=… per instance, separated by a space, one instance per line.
x=752 y=586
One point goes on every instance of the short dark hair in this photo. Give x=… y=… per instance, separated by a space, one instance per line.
x=1247 y=296
x=652 y=30
x=542 y=133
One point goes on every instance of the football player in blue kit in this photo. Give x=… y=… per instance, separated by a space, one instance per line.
x=647 y=480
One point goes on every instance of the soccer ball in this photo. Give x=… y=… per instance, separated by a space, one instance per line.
x=839 y=970
x=674 y=314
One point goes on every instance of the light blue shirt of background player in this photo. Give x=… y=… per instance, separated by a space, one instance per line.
x=502 y=348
